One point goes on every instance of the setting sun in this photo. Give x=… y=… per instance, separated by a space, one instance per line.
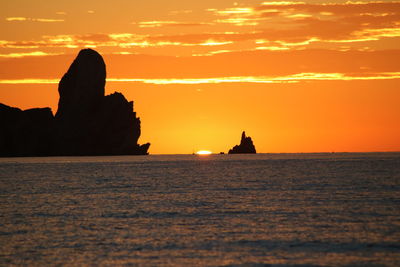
x=203 y=152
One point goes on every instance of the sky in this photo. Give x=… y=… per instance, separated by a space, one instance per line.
x=302 y=76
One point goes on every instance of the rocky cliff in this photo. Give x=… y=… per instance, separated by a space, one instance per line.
x=86 y=123
x=246 y=146
x=26 y=133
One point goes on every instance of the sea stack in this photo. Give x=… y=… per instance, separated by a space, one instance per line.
x=246 y=146
x=86 y=123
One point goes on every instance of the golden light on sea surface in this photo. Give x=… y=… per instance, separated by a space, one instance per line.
x=203 y=152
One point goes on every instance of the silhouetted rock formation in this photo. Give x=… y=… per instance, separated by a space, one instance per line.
x=81 y=89
x=86 y=122
x=246 y=146
x=26 y=133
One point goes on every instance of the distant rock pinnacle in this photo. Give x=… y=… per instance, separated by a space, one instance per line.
x=246 y=146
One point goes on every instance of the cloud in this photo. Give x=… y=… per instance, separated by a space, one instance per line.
x=33 y=19
x=258 y=63
x=281 y=3
x=16 y=19
x=239 y=21
x=278 y=25
x=211 y=42
x=325 y=22
x=333 y=8
x=272 y=48
x=27 y=54
x=48 y=20
x=238 y=16
x=295 y=78
x=30 y=81
x=233 y=11
x=178 y=12
x=313 y=31
x=153 y=24
x=118 y=40
x=270 y=26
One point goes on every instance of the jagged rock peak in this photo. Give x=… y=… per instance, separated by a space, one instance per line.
x=246 y=146
x=82 y=87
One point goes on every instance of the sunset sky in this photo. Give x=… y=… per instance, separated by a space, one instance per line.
x=312 y=76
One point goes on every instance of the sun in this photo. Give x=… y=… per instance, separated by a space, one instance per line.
x=203 y=152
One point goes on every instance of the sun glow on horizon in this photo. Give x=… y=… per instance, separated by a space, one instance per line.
x=203 y=152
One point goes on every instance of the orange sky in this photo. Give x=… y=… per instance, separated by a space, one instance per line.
x=310 y=76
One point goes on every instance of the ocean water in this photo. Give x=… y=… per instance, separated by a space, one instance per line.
x=185 y=210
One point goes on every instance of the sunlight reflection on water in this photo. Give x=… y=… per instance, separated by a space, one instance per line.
x=284 y=209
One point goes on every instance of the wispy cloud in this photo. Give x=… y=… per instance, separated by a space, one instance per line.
x=281 y=25
x=239 y=16
x=233 y=11
x=267 y=61
x=295 y=78
x=270 y=26
x=326 y=22
x=34 y=19
x=153 y=24
x=178 y=12
x=281 y=3
x=30 y=81
x=211 y=42
x=272 y=48
x=117 y=40
x=28 y=54
x=16 y=19
x=239 y=21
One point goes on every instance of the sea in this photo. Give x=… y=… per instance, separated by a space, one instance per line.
x=332 y=209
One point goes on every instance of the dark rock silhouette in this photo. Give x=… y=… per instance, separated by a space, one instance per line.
x=81 y=89
x=86 y=123
x=246 y=146
x=107 y=124
x=26 y=133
